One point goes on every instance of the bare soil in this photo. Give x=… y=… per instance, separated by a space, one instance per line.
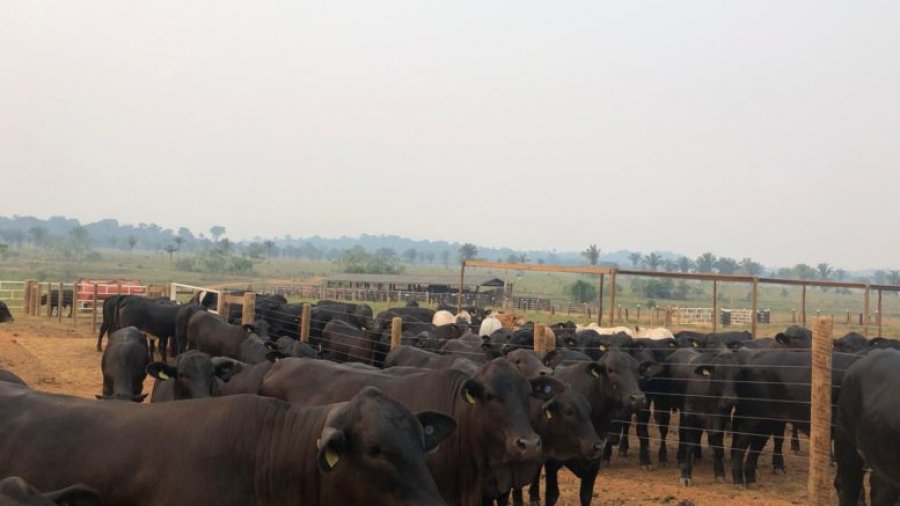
x=58 y=358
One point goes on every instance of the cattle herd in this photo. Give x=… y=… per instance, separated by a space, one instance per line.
x=462 y=412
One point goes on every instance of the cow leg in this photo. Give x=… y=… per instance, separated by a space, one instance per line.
x=534 y=490
x=717 y=442
x=689 y=434
x=777 y=447
x=623 y=443
x=643 y=435
x=882 y=492
x=795 y=440
x=517 y=498
x=663 y=417
x=757 y=443
x=551 y=494
x=850 y=470
x=586 y=490
x=739 y=442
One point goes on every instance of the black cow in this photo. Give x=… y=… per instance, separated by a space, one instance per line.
x=421 y=314
x=852 y=342
x=774 y=388
x=227 y=451
x=195 y=375
x=182 y=318
x=124 y=365
x=153 y=316
x=10 y=377
x=868 y=429
x=489 y=407
x=5 y=315
x=211 y=334
x=266 y=305
x=344 y=342
x=68 y=298
x=611 y=385
x=15 y=491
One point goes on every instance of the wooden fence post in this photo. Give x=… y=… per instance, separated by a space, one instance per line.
x=755 y=309
x=715 y=308
x=600 y=302
x=819 y=487
x=865 y=324
x=60 y=302
x=539 y=345
x=803 y=306
x=304 y=323
x=222 y=305
x=612 y=299
x=94 y=308
x=878 y=317
x=37 y=300
x=26 y=296
x=248 y=316
x=49 y=299
x=396 y=331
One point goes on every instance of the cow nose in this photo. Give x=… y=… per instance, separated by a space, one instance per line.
x=528 y=444
x=638 y=400
x=545 y=372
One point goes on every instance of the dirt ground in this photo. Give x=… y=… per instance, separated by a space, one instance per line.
x=58 y=358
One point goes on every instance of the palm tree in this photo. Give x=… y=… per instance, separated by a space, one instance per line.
x=635 y=259
x=132 y=241
x=270 y=246
x=706 y=262
x=727 y=265
x=750 y=267
x=467 y=251
x=825 y=271
x=592 y=254
x=216 y=231
x=685 y=264
x=653 y=261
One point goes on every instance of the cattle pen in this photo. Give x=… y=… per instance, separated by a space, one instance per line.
x=604 y=310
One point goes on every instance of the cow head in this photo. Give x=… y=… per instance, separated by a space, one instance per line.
x=195 y=374
x=376 y=437
x=565 y=428
x=528 y=363
x=15 y=491
x=498 y=397
x=795 y=337
x=620 y=375
x=721 y=373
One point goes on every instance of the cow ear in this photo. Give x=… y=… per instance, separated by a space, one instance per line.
x=271 y=346
x=553 y=358
x=471 y=391
x=332 y=445
x=551 y=409
x=225 y=368
x=274 y=356
x=76 y=495
x=545 y=387
x=649 y=369
x=436 y=427
x=571 y=342
x=695 y=343
x=781 y=338
x=595 y=370
x=704 y=370
x=162 y=371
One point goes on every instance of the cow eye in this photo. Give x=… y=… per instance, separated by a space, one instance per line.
x=375 y=451
x=569 y=412
x=518 y=361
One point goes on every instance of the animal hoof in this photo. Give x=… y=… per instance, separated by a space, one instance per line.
x=779 y=471
x=685 y=482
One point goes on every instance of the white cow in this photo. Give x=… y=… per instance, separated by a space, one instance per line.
x=490 y=325
x=657 y=333
x=443 y=317
x=609 y=331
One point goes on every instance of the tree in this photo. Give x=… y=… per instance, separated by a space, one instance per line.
x=803 y=271
x=170 y=249
x=592 y=254
x=38 y=235
x=669 y=265
x=635 y=258
x=582 y=291
x=467 y=251
x=706 y=262
x=4 y=250
x=685 y=264
x=410 y=255
x=217 y=231
x=132 y=242
x=652 y=261
x=445 y=258
x=824 y=271
x=269 y=245
x=178 y=242
x=727 y=265
x=225 y=246
x=750 y=267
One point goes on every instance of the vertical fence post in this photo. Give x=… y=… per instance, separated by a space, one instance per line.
x=880 y=312
x=60 y=302
x=600 y=302
x=37 y=300
x=222 y=305
x=803 y=306
x=540 y=346
x=75 y=302
x=248 y=316
x=819 y=488
x=715 y=308
x=396 y=331
x=26 y=296
x=304 y=323
x=754 y=312
x=49 y=299
x=462 y=284
x=865 y=322
x=612 y=299
x=549 y=342
x=94 y=308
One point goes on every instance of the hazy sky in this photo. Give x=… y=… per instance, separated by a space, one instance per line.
x=761 y=129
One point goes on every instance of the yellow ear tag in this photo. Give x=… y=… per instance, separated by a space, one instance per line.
x=706 y=372
x=163 y=375
x=319 y=444
x=331 y=458
x=694 y=344
x=469 y=398
x=594 y=373
x=603 y=347
x=549 y=414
